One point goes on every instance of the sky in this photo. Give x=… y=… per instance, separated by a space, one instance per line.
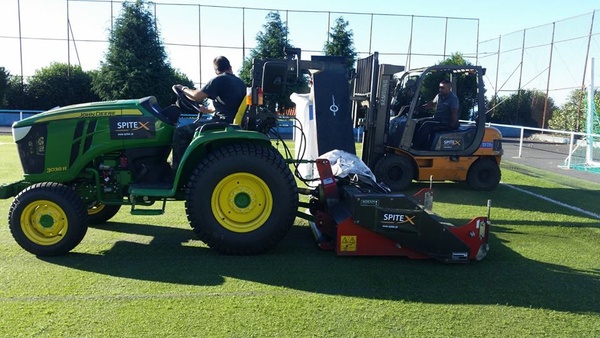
x=90 y=22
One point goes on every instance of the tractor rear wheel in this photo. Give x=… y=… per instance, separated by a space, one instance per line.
x=48 y=219
x=100 y=213
x=395 y=171
x=242 y=199
x=484 y=174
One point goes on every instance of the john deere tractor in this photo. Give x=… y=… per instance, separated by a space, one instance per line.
x=82 y=163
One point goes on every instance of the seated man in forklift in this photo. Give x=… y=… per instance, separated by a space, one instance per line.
x=225 y=90
x=444 y=118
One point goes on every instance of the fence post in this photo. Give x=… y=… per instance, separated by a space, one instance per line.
x=570 y=150
x=521 y=141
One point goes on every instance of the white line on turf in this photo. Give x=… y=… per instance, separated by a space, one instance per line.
x=589 y=213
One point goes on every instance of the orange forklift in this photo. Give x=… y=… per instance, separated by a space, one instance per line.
x=388 y=102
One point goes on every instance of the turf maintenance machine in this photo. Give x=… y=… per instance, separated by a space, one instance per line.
x=82 y=163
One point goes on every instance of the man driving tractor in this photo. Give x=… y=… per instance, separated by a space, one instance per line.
x=225 y=90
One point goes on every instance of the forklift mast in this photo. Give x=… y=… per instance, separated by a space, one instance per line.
x=372 y=85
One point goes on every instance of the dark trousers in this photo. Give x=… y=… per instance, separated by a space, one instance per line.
x=182 y=137
x=422 y=138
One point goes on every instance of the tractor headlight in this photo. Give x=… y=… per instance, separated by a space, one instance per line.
x=20 y=133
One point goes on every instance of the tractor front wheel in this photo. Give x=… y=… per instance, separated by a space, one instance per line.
x=242 y=199
x=100 y=213
x=48 y=219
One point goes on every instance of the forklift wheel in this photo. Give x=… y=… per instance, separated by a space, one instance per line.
x=395 y=171
x=484 y=174
x=48 y=219
x=242 y=199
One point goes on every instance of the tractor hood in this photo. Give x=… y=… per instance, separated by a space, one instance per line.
x=61 y=141
x=130 y=107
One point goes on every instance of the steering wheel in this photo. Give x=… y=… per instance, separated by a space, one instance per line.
x=185 y=102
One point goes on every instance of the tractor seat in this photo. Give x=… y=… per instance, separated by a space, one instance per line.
x=458 y=139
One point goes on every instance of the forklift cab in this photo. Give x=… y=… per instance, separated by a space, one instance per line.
x=396 y=116
x=424 y=83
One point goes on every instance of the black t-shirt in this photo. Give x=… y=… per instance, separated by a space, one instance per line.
x=227 y=92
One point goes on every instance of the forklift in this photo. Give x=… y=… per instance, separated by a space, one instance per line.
x=388 y=102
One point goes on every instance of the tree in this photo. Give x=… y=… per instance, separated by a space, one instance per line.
x=60 y=84
x=16 y=94
x=4 y=78
x=270 y=43
x=341 y=43
x=523 y=108
x=572 y=115
x=136 y=63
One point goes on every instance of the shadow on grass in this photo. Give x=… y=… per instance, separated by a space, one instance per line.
x=504 y=277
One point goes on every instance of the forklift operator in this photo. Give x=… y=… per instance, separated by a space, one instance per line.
x=445 y=117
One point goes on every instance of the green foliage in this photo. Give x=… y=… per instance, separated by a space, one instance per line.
x=60 y=84
x=270 y=43
x=136 y=63
x=16 y=95
x=524 y=108
x=572 y=115
x=466 y=86
x=4 y=78
x=342 y=42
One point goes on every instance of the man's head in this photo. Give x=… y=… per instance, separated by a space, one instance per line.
x=445 y=87
x=221 y=64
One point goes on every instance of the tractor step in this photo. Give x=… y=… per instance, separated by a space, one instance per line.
x=147 y=212
x=161 y=189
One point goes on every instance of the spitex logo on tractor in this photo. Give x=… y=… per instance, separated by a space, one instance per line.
x=132 y=128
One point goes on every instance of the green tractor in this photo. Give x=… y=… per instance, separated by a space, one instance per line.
x=82 y=163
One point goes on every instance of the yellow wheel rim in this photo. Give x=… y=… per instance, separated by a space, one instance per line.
x=95 y=209
x=44 y=222
x=242 y=202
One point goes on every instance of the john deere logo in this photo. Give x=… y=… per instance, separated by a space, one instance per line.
x=132 y=127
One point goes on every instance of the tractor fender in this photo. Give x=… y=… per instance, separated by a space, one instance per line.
x=9 y=190
x=216 y=136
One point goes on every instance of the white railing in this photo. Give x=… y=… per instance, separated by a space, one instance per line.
x=567 y=135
